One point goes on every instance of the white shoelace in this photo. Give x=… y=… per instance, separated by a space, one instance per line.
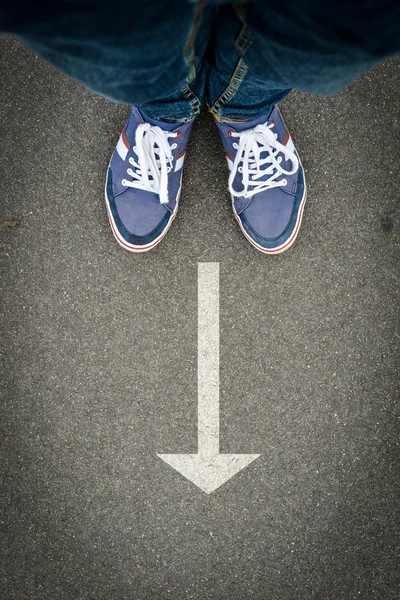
x=154 y=161
x=248 y=161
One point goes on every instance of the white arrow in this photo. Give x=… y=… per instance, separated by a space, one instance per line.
x=208 y=469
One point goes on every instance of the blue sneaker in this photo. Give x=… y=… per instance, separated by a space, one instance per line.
x=144 y=180
x=266 y=181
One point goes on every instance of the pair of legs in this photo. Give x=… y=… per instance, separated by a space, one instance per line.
x=240 y=58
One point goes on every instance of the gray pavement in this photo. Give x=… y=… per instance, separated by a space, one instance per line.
x=99 y=362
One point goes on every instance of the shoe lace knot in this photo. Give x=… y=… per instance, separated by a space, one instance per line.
x=259 y=159
x=154 y=160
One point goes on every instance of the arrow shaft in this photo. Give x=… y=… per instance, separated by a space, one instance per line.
x=208 y=469
x=208 y=358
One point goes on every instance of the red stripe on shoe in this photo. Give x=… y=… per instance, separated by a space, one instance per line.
x=125 y=140
x=286 y=138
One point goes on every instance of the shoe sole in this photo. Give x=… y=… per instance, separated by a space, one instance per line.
x=132 y=247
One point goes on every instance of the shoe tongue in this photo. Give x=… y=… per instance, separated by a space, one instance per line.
x=162 y=124
x=242 y=125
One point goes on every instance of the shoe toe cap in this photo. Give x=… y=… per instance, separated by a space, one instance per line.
x=139 y=215
x=268 y=217
x=272 y=219
x=137 y=219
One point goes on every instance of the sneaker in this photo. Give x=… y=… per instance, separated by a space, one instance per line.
x=144 y=180
x=266 y=181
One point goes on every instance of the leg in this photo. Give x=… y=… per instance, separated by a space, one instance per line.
x=150 y=56
x=235 y=91
x=263 y=49
x=260 y=54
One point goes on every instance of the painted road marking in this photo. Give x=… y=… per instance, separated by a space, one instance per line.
x=208 y=469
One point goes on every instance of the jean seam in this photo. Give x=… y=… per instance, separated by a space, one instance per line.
x=238 y=6
x=177 y=120
x=241 y=43
x=193 y=99
x=244 y=36
x=236 y=80
x=189 y=49
x=191 y=58
x=243 y=40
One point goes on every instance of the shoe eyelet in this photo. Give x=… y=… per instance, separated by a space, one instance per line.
x=272 y=124
x=123 y=182
x=230 y=133
x=178 y=133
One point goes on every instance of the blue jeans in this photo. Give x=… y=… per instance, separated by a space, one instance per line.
x=240 y=58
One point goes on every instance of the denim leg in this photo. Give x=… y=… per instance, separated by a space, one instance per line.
x=191 y=91
x=262 y=49
x=149 y=55
x=233 y=91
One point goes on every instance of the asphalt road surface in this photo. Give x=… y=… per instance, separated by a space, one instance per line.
x=99 y=361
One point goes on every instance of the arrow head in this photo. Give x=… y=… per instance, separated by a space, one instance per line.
x=211 y=472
